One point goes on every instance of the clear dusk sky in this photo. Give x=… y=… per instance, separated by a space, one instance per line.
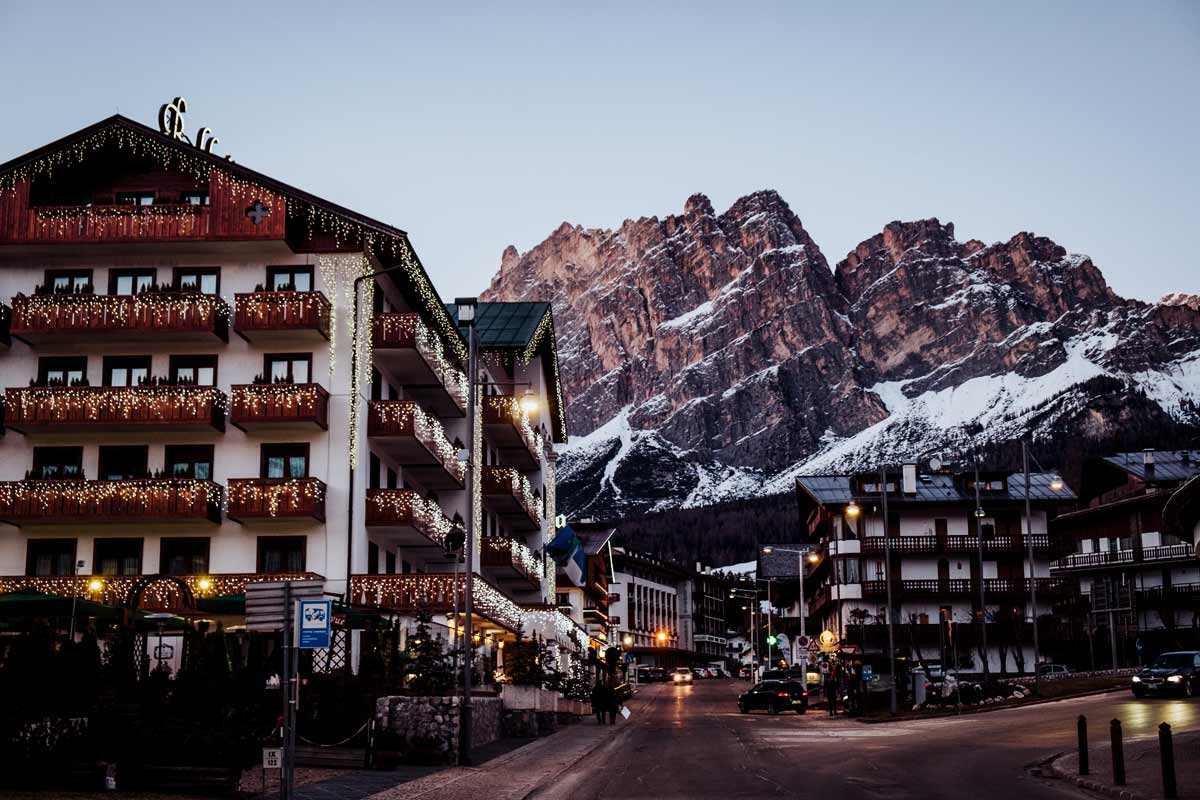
x=475 y=127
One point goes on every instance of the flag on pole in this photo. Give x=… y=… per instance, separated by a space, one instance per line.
x=567 y=551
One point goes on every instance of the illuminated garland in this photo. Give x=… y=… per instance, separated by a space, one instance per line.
x=148 y=311
x=261 y=399
x=508 y=407
x=546 y=328
x=114 y=589
x=426 y=515
x=518 y=554
x=432 y=301
x=436 y=592
x=109 y=404
x=406 y=415
x=550 y=497
x=403 y=329
x=518 y=485
x=296 y=492
x=476 y=499
x=283 y=311
x=47 y=494
x=78 y=219
x=338 y=274
x=556 y=624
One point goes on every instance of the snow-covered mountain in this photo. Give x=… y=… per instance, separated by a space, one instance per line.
x=713 y=356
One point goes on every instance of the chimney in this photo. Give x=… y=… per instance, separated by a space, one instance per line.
x=910 y=478
x=1148 y=463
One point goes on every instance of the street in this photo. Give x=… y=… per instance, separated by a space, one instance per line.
x=691 y=742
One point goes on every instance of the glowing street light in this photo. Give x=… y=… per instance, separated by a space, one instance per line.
x=661 y=636
x=529 y=402
x=95 y=585
x=852 y=510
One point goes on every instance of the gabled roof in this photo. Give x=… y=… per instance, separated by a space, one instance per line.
x=594 y=541
x=1169 y=465
x=939 y=488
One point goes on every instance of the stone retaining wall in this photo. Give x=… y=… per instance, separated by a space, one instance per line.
x=430 y=725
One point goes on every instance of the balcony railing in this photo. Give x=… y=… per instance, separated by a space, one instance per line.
x=266 y=316
x=416 y=441
x=414 y=356
x=153 y=500
x=512 y=559
x=1175 y=592
x=279 y=405
x=953 y=544
x=1117 y=558
x=963 y=586
x=114 y=223
x=78 y=317
x=160 y=595
x=65 y=409
x=406 y=518
x=435 y=592
x=266 y=499
x=509 y=494
x=507 y=427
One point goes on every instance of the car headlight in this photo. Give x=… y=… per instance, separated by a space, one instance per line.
x=1174 y=679
x=1136 y=679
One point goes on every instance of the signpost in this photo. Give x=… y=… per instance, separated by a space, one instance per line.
x=315 y=618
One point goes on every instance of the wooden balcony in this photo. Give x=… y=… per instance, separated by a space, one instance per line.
x=282 y=316
x=437 y=592
x=76 y=318
x=992 y=587
x=279 y=406
x=903 y=545
x=506 y=491
x=164 y=593
x=155 y=501
x=512 y=562
x=403 y=518
x=410 y=354
x=1083 y=562
x=275 y=499
x=77 y=409
x=417 y=442
x=506 y=426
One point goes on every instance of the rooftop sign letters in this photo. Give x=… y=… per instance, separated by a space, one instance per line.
x=170 y=123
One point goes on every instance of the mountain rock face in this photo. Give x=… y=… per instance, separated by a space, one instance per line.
x=713 y=356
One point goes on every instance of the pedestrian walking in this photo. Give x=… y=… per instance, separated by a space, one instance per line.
x=831 y=688
x=599 y=701
x=614 y=706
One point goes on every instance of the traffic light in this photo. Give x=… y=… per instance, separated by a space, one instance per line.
x=772 y=640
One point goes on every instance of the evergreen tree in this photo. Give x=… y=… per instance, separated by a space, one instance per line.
x=428 y=669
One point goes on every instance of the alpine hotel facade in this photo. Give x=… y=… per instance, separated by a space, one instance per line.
x=178 y=336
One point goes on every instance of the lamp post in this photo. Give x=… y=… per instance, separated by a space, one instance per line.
x=887 y=575
x=753 y=595
x=982 y=603
x=466 y=319
x=800 y=555
x=1056 y=484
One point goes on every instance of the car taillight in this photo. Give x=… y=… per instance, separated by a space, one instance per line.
x=784 y=694
x=804 y=694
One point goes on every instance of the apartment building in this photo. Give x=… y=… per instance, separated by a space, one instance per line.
x=935 y=529
x=182 y=417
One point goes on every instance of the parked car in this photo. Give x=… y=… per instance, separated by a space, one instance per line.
x=744 y=673
x=682 y=675
x=1170 y=673
x=774 y=697
x=1053 y=670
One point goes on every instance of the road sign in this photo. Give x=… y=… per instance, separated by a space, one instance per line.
x=315 y=619
x=1139 y=645
x=272 y=758
x=802 y=641
x=814 y=646
x=867 y=672
x=824 y=667
x=265 y=604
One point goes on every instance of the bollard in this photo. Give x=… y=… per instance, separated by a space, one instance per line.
x=1166 y=750
x=1118 y=752
x=1083 y=750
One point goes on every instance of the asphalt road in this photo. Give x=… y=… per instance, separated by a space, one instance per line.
x=691 y=742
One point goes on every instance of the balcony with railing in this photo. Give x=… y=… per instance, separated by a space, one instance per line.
x=507 y=428
x=903 y=545
x=417 y=442
x=963 y=586
x=1175 y=593
x=412 y=355
x=75 y=318
x=77 y=409
x=512 y=562
x=507 y=492
x=134 y=500
x=403 y=518
x=281 y=316
x=1123 y=558
x=159 y=593
x=275 y=499
x=279 y=406
x=437 y=592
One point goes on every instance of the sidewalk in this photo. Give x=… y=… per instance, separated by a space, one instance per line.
x=1143 y=771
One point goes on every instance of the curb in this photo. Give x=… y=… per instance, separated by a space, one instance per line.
x=1088 y=782
x=987 y=709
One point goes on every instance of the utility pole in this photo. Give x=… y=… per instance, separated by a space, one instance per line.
x=982 y=602
x=1037 y=678
x=887 y=574
x=466 y=318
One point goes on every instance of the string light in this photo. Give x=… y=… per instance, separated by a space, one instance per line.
x=435 y=592
x=146 y=312
x=278 y=402
x=549 y=497
x=282 y=311
x=512 y=552
x=545 y=329
x=162 y=594
x=405 y=418
x=507 y=409
x=113 y=405
x=407 y=330
x=506 y=480
x=47 y=500
x=404 y=507
x=251 y=496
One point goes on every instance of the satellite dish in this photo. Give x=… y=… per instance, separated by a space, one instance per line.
x=935 y=464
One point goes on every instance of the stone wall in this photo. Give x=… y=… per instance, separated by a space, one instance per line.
x=427 y=727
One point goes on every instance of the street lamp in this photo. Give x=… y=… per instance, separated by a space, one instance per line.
x=887 y=574
x=1056 y=484
x=979 y=514
x=661 y=636
x=466 y=318
x=852 y=510
x=800 y=554
x=529 y=402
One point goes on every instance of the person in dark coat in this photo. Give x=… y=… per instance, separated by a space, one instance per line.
x=831 y=689
x=614 y=705
x=599 y=701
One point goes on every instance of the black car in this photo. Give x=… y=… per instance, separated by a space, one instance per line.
x=1171 y=673
x=773 y=697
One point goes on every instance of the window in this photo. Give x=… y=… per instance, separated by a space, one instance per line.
x=58 y=462
x=287 y=367
x=373 y=470
x=68 y=281
x=190 y=461
x=390 y=562
x=126 y=370
x=281 y=553
x=372 y=558
x=134 y=198
x=123 y=462
x=206 y=280
x=188 y=556
x=198 y=197
x=194 y=370
x=62 y=370
x=130 y=281
x=284 y=461
x=50 y=557
x=117 y=557
x=290 y=279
